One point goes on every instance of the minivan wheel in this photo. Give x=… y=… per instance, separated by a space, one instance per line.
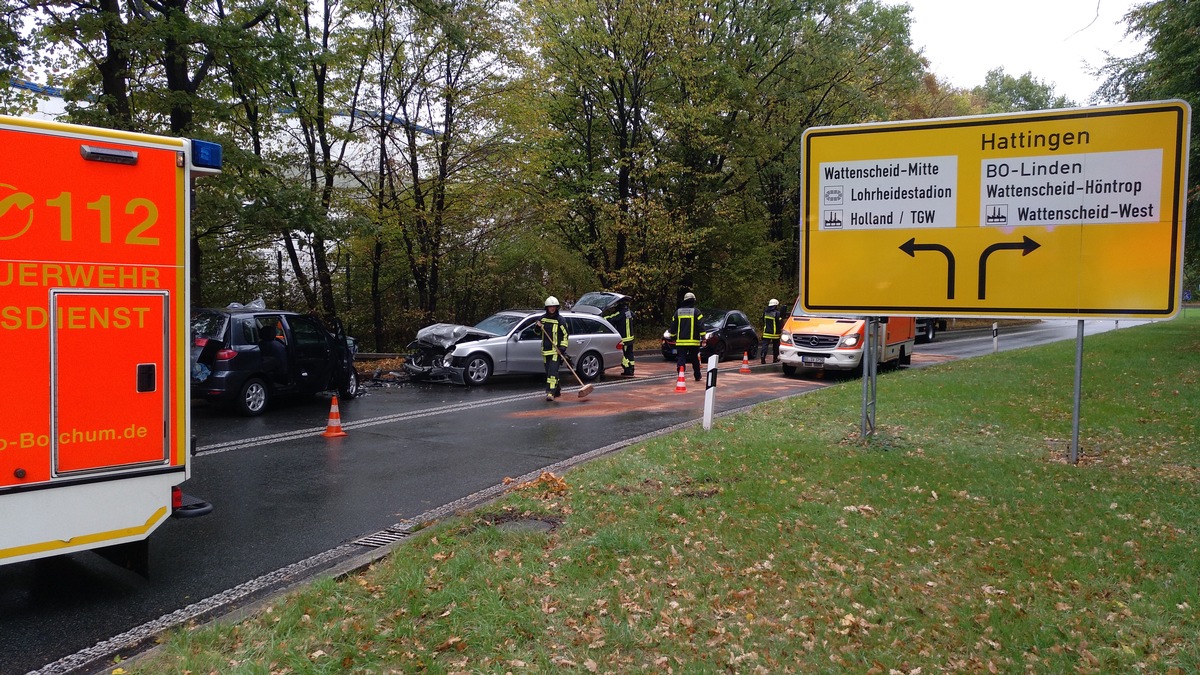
x=590 y=366
x=252 y=400
x=478 y=370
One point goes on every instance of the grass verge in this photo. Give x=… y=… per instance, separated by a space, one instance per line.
x=958 y=539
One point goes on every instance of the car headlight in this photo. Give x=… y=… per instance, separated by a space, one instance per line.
x=850 y=340
x=785 y=337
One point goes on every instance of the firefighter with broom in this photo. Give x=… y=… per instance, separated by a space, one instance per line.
x=554 y=345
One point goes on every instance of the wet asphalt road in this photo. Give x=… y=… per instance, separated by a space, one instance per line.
x=285 y=494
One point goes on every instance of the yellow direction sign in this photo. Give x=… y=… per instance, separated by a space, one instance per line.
x=1074 y=213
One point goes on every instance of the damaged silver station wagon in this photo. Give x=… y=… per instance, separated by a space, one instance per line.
x=509 y=343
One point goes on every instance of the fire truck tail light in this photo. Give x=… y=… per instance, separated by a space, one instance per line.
x=176 y=497
x=226 y=354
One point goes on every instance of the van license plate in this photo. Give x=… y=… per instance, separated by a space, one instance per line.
x=813 y=361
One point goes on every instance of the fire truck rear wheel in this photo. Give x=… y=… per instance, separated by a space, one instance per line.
x=252 y=400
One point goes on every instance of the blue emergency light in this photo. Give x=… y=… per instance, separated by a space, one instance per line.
x=206 y=155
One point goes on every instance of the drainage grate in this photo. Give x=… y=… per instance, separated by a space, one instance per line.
x=382 y=538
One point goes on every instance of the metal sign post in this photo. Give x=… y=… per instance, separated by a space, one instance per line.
x=1078 y=389
x=869 y=369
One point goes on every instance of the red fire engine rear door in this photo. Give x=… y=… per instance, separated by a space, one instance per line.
x=110 y=402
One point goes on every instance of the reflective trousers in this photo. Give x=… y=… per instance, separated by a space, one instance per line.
x=552 y=384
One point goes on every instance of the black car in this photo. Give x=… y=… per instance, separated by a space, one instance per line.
x=727 y=333
x=246 y=356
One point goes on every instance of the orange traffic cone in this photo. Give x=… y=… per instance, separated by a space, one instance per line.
x=681 y=383
x=745 y=363
x=334 y=428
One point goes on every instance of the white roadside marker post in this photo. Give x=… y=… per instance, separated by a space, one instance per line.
x=710 y=391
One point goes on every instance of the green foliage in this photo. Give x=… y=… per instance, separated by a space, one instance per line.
x=12 y=43
x=937 y=98
x=1001 y=93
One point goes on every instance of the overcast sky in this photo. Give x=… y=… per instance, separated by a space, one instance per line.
x=1056 y=40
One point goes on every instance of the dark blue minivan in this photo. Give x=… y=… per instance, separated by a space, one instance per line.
x=245 y=356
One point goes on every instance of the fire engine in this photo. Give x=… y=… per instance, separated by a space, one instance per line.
x=94 y=242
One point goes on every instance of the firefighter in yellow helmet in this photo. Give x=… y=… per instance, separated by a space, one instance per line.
x=772 y=323
x=687 y=334
x=554 y=345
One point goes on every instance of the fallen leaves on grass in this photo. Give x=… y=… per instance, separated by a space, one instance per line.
x=851 y=624
x=545 y=486
x=454 y=642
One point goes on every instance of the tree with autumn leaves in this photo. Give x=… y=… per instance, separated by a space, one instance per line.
x=399 y=162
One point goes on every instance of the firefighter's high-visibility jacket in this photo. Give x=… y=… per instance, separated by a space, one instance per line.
x=554 y=332
x=687 y=327
x=622 y=320
x=771 y=323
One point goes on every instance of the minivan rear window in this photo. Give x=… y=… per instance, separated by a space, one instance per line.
x=209 y=325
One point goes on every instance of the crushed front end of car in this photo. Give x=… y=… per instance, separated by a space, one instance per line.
x=429 y=355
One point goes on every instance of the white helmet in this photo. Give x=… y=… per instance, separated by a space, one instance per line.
x=552 y=301
x=689 y=296
x=773 y=303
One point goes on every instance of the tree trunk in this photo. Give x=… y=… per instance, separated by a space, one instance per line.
x=114 y=69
